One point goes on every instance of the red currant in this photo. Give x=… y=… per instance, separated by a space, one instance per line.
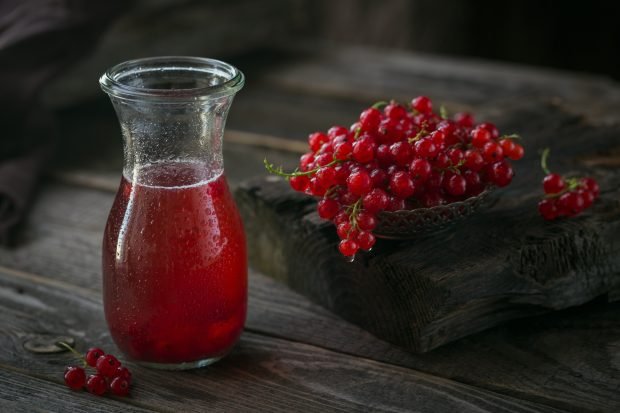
x=366 y=221
x=379 y=178
x=401 y=153
x=588 y=198
x=305 y=161
x=473 y=160
x=75 y=377
x=96 y=384
x=341 y=217
x=507 y=145
x=366 y=240
x=442 y=161
x=107 y=365
x=401 y=185
x=395 y=111
x=500 y=173
x=316 y=187
x=375 y=201
x=591 y=185
x=342 y=151
x=395 y=204
x=491 y=128
x=298 y=183
x=420 y=169
x=434 y=181
x=316 y=140
x=548 y=209
x=326 y=176
x=480 y=137
x=92 y=355
x=364 y=150
x=473 y=181
x=492 y=152
x=422 y=104
x=328 y=208
x=455 y=155
x=425 y=148
x=119 y=386
x=439 y=138
x=384 y=156
x=455 y=185
x=336 y=131
x=359 y=183
x=348 y=198
x=553 y=184
x=516 y=153
x=570 y=203
x=370 y=119
x=348 y=247
x=464 y=119
x=345 y=230
x=124 y=373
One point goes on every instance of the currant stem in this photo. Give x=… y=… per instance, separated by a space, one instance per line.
x=379 y=104
x=511 y=136
x=71 y=349
x=455 y=168
x=357 y=133
x=353 y=210
x=452 y=168
x=571 y=185
x=331 y=191
x=543 y=161
x=418 y=136
x=280 y=172
x=443 y=112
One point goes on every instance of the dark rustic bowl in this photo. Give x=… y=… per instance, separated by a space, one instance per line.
x=409 y=223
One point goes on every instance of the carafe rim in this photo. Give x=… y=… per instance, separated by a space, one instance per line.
x=115 y=80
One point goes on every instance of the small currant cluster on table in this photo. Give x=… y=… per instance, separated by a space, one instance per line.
x=399 y=158
x=110 y=376
x=565 y=196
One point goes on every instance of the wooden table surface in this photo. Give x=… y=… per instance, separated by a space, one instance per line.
x=294 y=355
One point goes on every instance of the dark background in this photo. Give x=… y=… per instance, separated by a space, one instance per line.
x=574 y=35
x=51 y=72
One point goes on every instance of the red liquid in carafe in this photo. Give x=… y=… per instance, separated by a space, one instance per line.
x=174 y=266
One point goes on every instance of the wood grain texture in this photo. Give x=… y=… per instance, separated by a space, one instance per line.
x=459 y=83
x=533 y=360
x=23 y=393
x=261 y=374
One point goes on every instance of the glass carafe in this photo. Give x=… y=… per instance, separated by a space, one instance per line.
x=174 y=250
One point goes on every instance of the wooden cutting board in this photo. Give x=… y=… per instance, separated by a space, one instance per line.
x=502 y=263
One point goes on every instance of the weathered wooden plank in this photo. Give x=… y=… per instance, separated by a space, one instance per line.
x=527 y=360
x=277 y=111
x=369 y=75
x=261 y=374
x=24 y=393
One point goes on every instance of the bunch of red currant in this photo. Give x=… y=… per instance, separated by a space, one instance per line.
x=565 y=197
x=399 y=158
x=110 y=376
